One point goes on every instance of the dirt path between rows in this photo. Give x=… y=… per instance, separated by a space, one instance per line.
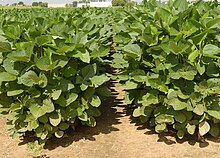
x=117 y=135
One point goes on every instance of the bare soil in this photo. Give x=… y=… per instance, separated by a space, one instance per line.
x=116 y=135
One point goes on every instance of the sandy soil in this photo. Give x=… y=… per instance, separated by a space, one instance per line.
x=117 y=135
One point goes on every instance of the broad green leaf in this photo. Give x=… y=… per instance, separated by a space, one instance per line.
x=83 y=117
x=43 y=39
x=193 y=55
x=5 y=47
x=199 y=37
x=199 y=109
x=103 y=91
x=160 y=128
x=42 y=80
x=19 y=55
x=150 y=98
x=214 y=113
x=36 y=110
x=63 y=126
x=179 y=116
x=214 y=130
x=157 y=84
x=191 y=129
x=163 y=118
x=80 y=38
x=210 y=50
x=84 y=56
x=48 y=106
x=11 y=67
x=56 y=94
x=99 y=80
x=181 y=5
x=133 y=50
x=6 y=77
x=96 y=102
x=65 y=85
x=131 y=85
x=15 y=92
x=69 y=72
x=204 y=128
x=213 y=22
x=59 y=134
x=137 y=112
x=44 y=63
x=55 y=119
x=66 y=100
x=177 y=104
x=91 y=122
x=180 y=134
x=29 y=79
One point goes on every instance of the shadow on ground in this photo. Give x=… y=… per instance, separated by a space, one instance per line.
x=170 y=137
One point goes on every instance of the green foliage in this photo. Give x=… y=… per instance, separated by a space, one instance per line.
x=52 y=73
x=169 y=64
x=123 y=3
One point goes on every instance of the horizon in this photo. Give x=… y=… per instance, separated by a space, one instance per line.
x=29 y=2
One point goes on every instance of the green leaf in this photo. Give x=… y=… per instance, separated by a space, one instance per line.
x=28 y=79
x=96 y=102
x=191 y=129
x=48 y=106
x=44 y=63
x=193 y=55
x=157 y=84
x=80 y=38
x=199 y=37
x=59 y=134
x=164 y=118
x=133 y=50
x=56 y=94
x=179 y=116
x=5 y=47
x=180 y=134
x=69 y=72
x=204 y=128
x=43 y=39
x=160 y=128
x=137 y=112
x=150 y=98
x=83 y=117
x=6 y=77
x=199 y=109
x=177 y=104
x=181 y=5
x=42 y=80
x=91 y=122
x=55 y=119
x=103 y=91
x=212 y=22
x=66 y=85
x=63 y=126
x=66 y=100
x=211 y=50
x=12 y=67
x=15 y=92
x=36 y=110
x=84 y=56
x=214 y=130
x=131 y=85
x=99 y=80
x=20 y=55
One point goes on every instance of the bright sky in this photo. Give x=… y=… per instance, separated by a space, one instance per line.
x=30 y=1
